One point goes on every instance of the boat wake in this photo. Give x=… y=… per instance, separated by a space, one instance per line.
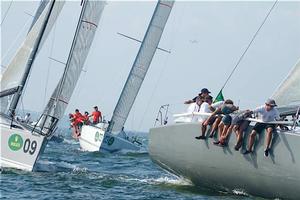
x=240 y=192
x=160 y=181
x=48 y=166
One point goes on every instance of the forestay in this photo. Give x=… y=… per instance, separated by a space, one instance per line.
x=22 y=61
x=140 y=65
x=288 y=92
x=85 y=32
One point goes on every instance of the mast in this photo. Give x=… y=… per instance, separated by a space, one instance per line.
x=29 y=64
x=82 y=41
x=42 y=6
x=140 y=65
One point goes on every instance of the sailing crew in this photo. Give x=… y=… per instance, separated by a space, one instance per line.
x=217 y=121
x=72 y=125
x=86 y=118
x=239 y=125
x=97 y=116
x=194 y=107
x=226 y=109
x=204 y=92
x=207 y=107
x=268 y=113
x=77 y=123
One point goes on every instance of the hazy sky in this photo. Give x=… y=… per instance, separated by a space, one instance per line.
x=206 y=40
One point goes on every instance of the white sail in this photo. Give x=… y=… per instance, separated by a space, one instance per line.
x=141 y=65
x=288 y=93
x=11 y=77
x=85 y=32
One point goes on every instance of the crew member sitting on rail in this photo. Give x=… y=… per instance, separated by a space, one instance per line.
x=268 y=113
x=207 y=107
x=204 y=92
x=218 y=119
x=239 y=125
x=226 y=109
x=97 y=117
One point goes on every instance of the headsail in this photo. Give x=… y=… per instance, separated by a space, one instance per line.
x=85 y=32
x=15 y=75
x=140 y=65
x=288 y=93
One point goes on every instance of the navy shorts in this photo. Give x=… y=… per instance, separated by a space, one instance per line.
x=259 y=127
x=226 y=119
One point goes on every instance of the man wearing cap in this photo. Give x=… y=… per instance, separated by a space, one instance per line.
x=268 y=113
x=204 y=92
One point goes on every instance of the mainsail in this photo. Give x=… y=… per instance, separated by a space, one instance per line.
x=288 y=93
x=140 y=65
x=15 y=76
x=85 y=32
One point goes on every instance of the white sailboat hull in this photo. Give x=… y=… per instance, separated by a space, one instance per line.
x=95 y=139
x=175 y=149
x=20 y=148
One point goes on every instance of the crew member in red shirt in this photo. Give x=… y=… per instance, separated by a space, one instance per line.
x=78 y=120
x=86 y=118
x=97 y=117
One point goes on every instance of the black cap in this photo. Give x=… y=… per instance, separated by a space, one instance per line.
x=271 y=102
x=205 y=90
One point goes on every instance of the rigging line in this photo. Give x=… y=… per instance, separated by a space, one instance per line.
x=252 y=40
x=6 y=12
x=49 y=66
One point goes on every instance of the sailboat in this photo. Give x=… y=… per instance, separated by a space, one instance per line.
x=22 y=144
x=111 y=137
x=174 y=148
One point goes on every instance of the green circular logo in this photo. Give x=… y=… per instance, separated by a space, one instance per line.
x=97 y=136
x=15 y=142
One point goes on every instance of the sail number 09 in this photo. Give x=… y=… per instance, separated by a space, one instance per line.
x=29 y=147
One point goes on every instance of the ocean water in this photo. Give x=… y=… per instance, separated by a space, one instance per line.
x=66 y=172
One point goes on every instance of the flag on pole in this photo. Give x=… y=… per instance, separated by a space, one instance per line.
x=219 y=97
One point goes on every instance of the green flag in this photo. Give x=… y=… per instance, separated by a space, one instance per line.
x=219 y=97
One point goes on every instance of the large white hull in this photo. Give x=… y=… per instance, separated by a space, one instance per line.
x=175 y=149
x=20 y=148
x=95 y=139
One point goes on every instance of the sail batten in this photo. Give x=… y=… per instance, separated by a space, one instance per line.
x=140 y=65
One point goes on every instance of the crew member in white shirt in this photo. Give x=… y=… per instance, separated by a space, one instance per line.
x=207 y=107
x=268 y=113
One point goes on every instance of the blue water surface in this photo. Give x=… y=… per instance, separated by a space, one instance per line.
x=66 y=172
